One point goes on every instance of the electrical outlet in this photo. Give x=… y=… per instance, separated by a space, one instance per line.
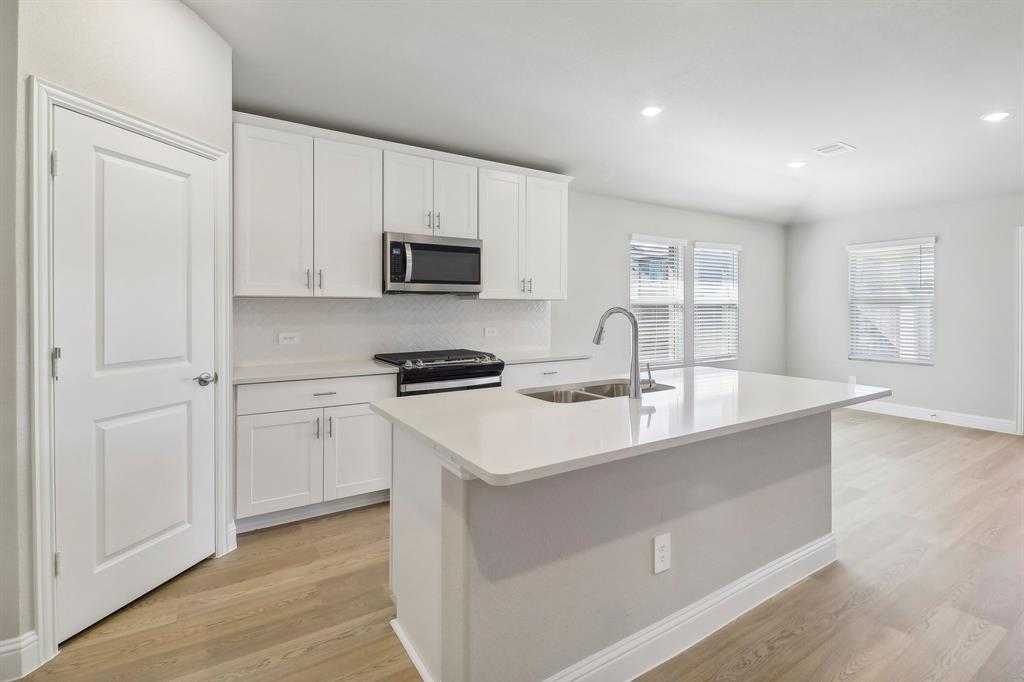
x=490 y=331
x=662 y=552
x=289 y=338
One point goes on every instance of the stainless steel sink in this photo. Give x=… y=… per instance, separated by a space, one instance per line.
x=581 y=393
x=562 y=395
x=619 y=389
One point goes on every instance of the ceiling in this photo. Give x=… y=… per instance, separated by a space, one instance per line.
x=746 y=87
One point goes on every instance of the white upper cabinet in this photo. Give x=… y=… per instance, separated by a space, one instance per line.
x=408 y=193
x=502 y=225
x=348 y=219
x=273 y=178
x=455 y=199
x=547 y=238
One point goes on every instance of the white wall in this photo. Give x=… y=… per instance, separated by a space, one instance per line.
x=154 y=59
x=358 y=328
x=975 y=304
x=599 y=231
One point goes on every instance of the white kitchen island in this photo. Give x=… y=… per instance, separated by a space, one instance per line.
x=522 y=531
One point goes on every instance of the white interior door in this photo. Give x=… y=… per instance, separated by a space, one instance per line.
x=133 y=314
x=408 y=193
x=348 y=183
x=547 y=227
x=273 y=173
x=357 y=451
x=502 y=222
x=455 y=208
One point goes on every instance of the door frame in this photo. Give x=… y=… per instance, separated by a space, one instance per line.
x=44 y=97
x=1020 y=330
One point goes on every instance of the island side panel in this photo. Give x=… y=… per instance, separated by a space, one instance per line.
x=561 y=567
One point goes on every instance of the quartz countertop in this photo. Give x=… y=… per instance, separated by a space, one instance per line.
x=504 y=437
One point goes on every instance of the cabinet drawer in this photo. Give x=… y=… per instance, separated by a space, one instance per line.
x=302 y=395
x=545 y=373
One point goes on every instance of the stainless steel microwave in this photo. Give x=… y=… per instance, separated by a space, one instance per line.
x=425 y=264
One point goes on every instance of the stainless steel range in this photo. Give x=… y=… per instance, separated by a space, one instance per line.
x=437 y=371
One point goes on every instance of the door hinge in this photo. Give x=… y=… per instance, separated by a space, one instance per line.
x=53 y=163
x=54 y=358
x=56 y=564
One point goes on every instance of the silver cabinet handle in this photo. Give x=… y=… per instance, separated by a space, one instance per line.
x=205 y=379
x=307 y=278
x=438 y=223
x=430 y=220
x=522 y=285
x=320 y=278
x=330 y=427
x=316 y=434
x=317 y=395
x=554 y=372
x=530 y=288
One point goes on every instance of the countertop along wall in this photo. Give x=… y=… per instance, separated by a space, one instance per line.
x=599 y=232
x=975 y=304
x=155 y=59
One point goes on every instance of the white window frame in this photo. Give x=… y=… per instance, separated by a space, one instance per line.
x=683 y=304
x=717 y=246
x=851 y=301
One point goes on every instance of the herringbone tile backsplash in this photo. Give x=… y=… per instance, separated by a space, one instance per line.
x=357 y=328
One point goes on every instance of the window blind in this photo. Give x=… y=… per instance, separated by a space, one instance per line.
x=716 y=298
x=656 y=297
x=892 y=300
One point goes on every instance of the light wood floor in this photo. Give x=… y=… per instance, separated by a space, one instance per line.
x=929 y=586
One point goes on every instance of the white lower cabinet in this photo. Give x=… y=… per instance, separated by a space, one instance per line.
x=357 y=452
x=290 y=454
x=279 y=461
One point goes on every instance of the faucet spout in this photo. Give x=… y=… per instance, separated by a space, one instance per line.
x=635 y=392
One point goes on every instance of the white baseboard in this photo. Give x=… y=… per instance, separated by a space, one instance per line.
x=417 y=662
x=309 y=511
x=19 y=656
x=971 y=421
x=633 y=656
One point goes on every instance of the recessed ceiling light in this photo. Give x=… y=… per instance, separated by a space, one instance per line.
x=651 y=111
x=995 y=117
x=797 y=164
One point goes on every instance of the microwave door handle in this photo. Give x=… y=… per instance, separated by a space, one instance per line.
x=408 y=262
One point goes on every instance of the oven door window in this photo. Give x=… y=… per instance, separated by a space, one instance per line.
x=437 y=264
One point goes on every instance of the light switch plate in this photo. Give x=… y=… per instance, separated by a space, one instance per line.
x=289 y=338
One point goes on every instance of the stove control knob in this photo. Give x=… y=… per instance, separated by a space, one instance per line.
x=419 y=363
x=407 y=364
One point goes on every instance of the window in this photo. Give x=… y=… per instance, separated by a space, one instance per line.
x=716 y=298
x=656 y=297
x=892 y=300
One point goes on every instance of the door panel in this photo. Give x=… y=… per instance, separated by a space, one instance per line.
x=502 y=222
x=279 y=461
x=357 y=451
x=455 y=200
x=547 y=223
x=408 y=193
x=349 y=186
x=273 y=174
x=133 y=311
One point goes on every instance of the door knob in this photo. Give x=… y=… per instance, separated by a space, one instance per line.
x=205 y=379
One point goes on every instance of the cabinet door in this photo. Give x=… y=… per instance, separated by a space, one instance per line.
x=280 y=461
x=348 y=222
x=547 y=237
x=455 y=213
x=273 y=175
x=357 y=451
x=408 y=193
x=502 y=223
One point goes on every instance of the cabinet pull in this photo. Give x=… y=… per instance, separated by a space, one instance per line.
x=438 y=223
x=317 y=433
x=330 y=427
x=530 y=288
x=522 y=285
x=307 y=278
x=320 y=278
x=430 y=220
x=554 y=372
x=317 y=395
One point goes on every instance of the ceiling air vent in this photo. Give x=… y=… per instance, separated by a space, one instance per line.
x=834 y=149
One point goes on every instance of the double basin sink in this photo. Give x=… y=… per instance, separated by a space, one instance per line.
x=581 y=393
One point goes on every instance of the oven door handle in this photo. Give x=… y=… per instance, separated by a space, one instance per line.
x=408 y=262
